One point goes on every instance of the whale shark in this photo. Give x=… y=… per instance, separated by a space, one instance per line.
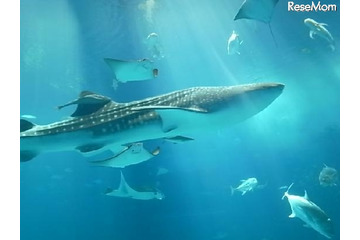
x=313 y=216
x=99 y=124
x=125 y=191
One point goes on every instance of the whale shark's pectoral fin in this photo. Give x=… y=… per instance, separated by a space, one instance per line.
x=292 y=215
x=174 y=117
x=312 y=33
x=87 y=103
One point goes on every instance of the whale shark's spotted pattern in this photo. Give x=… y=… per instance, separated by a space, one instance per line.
x=98 y=121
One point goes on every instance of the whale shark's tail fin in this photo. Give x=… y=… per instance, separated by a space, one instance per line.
x=28 y=154
x=287 y=192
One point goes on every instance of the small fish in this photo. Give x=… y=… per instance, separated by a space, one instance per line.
x=234 y=44
x=328 y=176
x=320 y=30
x=245 y=186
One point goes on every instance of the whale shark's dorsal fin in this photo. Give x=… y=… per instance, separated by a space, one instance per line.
x=25 y=125
x=87 y=103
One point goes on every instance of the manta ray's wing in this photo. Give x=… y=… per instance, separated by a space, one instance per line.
x=124 y=186
x=136 y=70
x=260 y=10
x=124 y=190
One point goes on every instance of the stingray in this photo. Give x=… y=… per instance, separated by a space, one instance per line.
x=133 y=70
x=260 y=10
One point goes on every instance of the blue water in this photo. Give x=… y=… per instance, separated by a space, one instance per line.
x=63 y=44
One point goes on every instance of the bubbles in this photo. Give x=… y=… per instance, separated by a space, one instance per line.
x=148 y=7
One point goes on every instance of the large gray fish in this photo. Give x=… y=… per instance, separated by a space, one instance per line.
x=100 y=124
x=319 y=29
x=313 y=216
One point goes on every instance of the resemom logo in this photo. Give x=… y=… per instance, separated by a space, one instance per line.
x=313 y=7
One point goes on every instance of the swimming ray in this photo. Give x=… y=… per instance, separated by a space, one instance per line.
x=135 y=70
x=260 y=10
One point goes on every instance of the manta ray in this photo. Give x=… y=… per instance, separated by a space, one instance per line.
x=132 y=154
x=259 y=10
x=125 y=191
x=133 y=70
x=100 y=123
